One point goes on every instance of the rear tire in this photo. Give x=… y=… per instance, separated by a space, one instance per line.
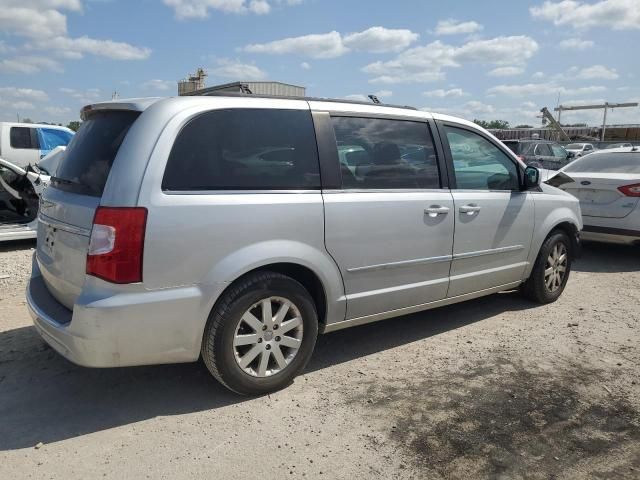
x=261 y=333
x=551 y=270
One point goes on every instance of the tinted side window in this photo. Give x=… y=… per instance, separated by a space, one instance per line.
x=385 y=154
x=559 y=151
x=544 y=150
x=22 y=137
x=245 y=149
x=479 y=164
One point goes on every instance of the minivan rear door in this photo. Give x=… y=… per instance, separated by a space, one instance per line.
x=68 y=206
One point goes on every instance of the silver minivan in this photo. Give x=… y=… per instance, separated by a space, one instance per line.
x=237 y=228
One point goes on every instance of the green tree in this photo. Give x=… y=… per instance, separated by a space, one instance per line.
x=75 y=125
x=492 y=124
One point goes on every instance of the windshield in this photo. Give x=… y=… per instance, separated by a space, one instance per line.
x=513 y=146
x=575 y=146
x=88 y=159
x=607 y=163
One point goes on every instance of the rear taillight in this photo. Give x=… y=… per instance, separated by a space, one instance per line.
x=117 y=244
x=630 y=190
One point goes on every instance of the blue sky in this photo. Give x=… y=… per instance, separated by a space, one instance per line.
x=476 y=59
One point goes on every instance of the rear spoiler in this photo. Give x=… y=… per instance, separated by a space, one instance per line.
x=132 y=105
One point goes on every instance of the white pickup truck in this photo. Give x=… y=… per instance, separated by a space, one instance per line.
x=28 y=157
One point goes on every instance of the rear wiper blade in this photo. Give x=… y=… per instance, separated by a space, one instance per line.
x=64 y=181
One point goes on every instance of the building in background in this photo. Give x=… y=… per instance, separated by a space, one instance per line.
x=192 y=83
x=195 y=85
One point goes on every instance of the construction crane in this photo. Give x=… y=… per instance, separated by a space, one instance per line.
x=606 y=106
x=546 y=114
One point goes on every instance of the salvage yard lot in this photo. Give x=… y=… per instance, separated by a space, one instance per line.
x=496 y=387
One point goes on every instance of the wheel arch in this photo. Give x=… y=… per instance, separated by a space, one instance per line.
x=563 y=219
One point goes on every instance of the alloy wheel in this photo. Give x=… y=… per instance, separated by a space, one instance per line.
x=555 y=268
x=268 y=337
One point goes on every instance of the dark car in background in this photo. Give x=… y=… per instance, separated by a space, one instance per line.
x=539 y=153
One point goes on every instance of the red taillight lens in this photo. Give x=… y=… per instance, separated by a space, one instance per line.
x=630 y=190
x=117 y=244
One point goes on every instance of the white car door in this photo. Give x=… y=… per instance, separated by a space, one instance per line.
x=494 y=219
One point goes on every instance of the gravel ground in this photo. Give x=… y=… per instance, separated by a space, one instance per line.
x=497 y=387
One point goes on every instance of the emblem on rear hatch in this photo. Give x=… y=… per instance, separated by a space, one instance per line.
x=585 y=182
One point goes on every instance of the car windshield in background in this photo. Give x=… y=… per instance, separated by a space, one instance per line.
x=513 y=146
x=89 y=156
x=607 y=163
x=574 y=146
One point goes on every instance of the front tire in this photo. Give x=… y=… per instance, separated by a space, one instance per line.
x=261 y=333
x=551 y=270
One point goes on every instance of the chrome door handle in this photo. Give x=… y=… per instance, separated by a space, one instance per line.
x=470 y=209
x=435 y=210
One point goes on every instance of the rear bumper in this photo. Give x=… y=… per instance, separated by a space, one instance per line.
x=611 y=235
x=122 y=329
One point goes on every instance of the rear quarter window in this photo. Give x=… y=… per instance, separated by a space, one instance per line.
x=245 y=149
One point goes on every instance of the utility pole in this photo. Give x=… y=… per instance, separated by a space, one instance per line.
x=604 y=121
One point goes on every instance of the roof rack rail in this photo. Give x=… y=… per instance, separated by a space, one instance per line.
x=308 y=99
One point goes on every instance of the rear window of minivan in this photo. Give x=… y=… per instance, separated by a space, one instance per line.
x=89 y=156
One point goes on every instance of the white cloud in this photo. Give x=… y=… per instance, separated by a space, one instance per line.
x=43 y=23
x=57 y=111
x=77 y=47
x=531 y=89
x=614 y=14
x=200 y=9
x=90 y=95
x=334 y=44
x=323 y=45
x=23 y=94
x=259 y=7
x=237 y=70
x=576 y=44
x=29 y=64
x=440 y=93
x=357 y=97
x=383 y=93
x=427 y=63
x=506 y=71
x=305 y=66
x=162 y=85
x=478 y=107
x=454 y=27
x=597 y=71
x=380 y=40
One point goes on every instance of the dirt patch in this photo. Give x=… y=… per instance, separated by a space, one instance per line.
x=504 y=420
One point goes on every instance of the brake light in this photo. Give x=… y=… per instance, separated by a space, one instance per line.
x=117 y=244
x=630 y=190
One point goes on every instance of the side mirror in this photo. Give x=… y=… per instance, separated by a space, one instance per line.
x=531 y=177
